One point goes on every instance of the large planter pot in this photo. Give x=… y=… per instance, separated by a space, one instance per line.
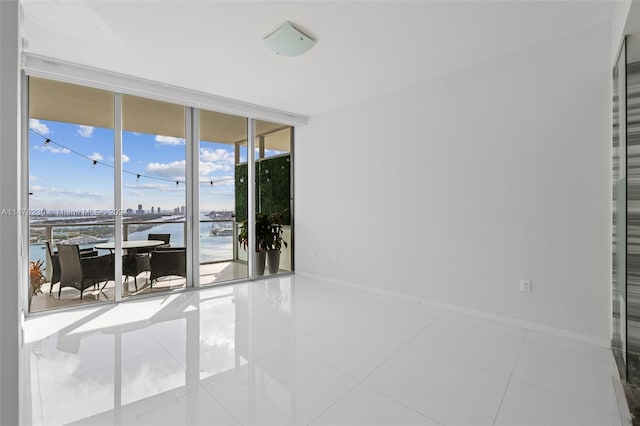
x=273 y=261
x=261 y=257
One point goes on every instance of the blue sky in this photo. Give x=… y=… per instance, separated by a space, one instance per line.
x=61 y=179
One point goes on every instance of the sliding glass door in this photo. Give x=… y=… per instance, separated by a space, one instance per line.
x=274 y=193
x=221 y=138
x=71 y=194
x=154 y=196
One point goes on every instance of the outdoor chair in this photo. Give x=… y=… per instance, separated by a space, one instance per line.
x=135 y=262
x=54 y=261
x=160 y=237
x=83 y=272
x=167 y=262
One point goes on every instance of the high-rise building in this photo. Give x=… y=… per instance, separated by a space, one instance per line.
x=152 y=209
x=139 y=209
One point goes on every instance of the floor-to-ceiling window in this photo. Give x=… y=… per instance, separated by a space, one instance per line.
x=221 y=136
x=274 y=193
x=153 y=195
x=119 y=177
x=71 y=185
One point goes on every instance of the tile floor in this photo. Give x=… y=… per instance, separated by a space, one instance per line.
x=294 y=350
x=210 y=273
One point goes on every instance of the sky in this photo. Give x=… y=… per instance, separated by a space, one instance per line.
x=62 y=174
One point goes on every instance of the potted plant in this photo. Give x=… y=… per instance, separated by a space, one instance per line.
x=275 y=241
x=36 y=278
x=262 y=238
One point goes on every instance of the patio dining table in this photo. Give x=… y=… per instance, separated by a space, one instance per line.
x=130 y=245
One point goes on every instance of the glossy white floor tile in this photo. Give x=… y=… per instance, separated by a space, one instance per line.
x=352 y=350
x=525 y=405
x=365 y=406
x=560 y=370
x=281 y=389
x=295 y=350
x=449 y=391
x=479 y=342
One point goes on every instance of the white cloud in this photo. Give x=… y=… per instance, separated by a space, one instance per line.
x=166 y=188
x=169 y=140
x=77 y=194
x=85 y=131
x=207 y=167
x=39 y=127
x=96 y=156
x=173 y=170
x=36 y=188
x=136 y=193
x=52 y=149
x=216 y=155
x=163 y=186
x=125 y=159
x=213 y=160
x=32 y=177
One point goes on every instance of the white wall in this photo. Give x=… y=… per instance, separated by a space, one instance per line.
x=621 y=10
x=9 y=224
x=458 y=188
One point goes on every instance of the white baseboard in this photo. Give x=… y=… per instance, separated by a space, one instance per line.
x=478 y=313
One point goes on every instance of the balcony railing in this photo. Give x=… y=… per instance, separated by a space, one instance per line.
x=222 y=247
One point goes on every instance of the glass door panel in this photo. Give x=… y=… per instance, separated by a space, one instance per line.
x=222 y=256
x=71 y=202
x=274 y=194
x=153 y=196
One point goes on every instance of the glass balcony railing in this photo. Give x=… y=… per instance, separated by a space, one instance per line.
x=218 y=238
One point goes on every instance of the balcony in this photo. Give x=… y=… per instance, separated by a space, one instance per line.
x=220 y=257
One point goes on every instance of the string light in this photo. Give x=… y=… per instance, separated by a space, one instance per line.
x=96 y=162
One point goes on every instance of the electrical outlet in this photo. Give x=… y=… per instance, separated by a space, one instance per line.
x=525 y=286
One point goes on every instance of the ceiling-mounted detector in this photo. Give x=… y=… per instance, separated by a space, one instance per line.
x=289 y=41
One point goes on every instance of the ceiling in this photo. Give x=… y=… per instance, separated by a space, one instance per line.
x=364 y=49
x=70 y=103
